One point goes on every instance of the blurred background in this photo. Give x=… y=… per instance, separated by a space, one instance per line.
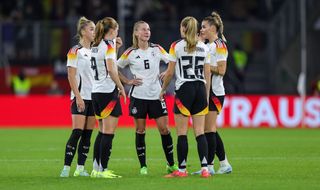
x=273 y=50
x=36 y=35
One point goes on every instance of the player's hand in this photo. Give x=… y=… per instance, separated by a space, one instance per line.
x=161 y=96
x=118 y=42
x=135 y=82
x=80 y=104
x=162 y=75
x=123 y=94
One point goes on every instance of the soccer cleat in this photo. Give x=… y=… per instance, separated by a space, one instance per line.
x=171 y=169
x=65 y=173
x=205 y=173
x=94 y=174
x=177 y=173
x=108 y=174
x=82 y=173
x=144 y=170
x=225 y=169
x=211 y=172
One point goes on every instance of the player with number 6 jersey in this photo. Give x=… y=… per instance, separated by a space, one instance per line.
x=143 y=59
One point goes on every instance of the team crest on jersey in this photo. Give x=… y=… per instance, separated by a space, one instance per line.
x=134 y=110
x=152 y=53
x=138 y=57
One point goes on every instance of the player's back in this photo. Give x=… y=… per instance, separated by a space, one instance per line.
x=189 y=66
x=99 y=55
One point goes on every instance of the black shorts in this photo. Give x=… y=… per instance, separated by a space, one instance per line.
x=88 y=110
x=215 y=102
x=140 y=108
x=105 y=104
x=191 y=99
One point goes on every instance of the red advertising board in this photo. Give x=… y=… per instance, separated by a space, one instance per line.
x=238 y=112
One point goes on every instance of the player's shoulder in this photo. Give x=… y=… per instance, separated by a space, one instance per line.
x=74 y=49
x=109 y=43
x=177 y=42
x=129 y=51
x=219 y=43
x=156 y=46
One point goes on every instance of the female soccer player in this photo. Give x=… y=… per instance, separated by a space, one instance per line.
x=143 y=59
x=190 y=60
x=80 y=79
x=212 y=30
x=105 y=91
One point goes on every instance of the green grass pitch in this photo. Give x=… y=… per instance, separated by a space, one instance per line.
x=261 y=159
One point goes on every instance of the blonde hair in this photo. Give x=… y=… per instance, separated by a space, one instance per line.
x=102 y=27
x=190 y=25
x=134 y=37
x=215 y=19
x=82 y=23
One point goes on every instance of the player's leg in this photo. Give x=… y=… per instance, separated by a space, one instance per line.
x=202 y=146
x=140 y=143
x=167 y=143
x=138 y=109
x=225 y=166
x=182 y=145
x=78 y=123
x=158 y=111
x=96 y=152
x=84 y=146
x=110 y=122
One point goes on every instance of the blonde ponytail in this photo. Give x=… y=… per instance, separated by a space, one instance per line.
x=190 y=25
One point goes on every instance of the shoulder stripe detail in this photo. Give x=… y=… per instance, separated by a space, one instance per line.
x=125 y=55
x=221 y=47
x=172 y=48
x=72 y=54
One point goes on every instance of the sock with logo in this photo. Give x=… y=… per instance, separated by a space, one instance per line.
x=83 y=147
x=71 y=146
x=202 y=150
x=182 y=149
x=141 y=149
x=167 y=146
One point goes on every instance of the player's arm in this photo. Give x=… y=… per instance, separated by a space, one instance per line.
x=167 y=78
x=72 y=71
x=125 y=80
x=207 y=76
x=220 y=69
x=113 y=72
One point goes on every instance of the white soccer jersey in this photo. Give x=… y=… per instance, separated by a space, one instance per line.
x=79 y=58
x=145 y=64
x=189 y=67
x=99 y=55
x=218 y=52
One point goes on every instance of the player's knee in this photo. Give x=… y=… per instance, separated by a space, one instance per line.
x=164 y=131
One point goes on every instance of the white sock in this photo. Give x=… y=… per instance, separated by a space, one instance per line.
x=224 y=162
x=210 y=167
x=95 y=165
x=66 y=167
x=182 y=170
x=80 y=167
x=100 y=168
